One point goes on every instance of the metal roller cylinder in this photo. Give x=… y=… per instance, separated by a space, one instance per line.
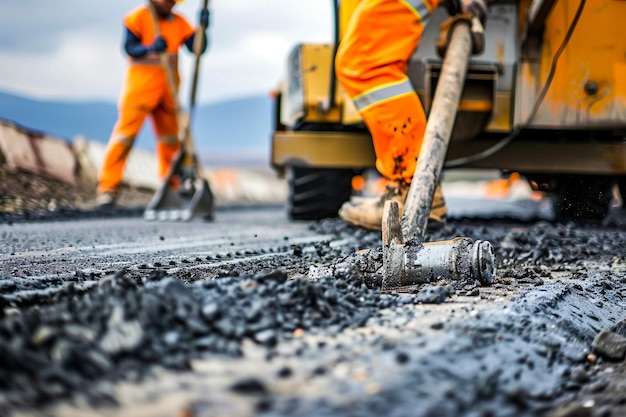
x=456 y=259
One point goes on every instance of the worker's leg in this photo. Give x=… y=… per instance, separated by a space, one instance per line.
x=166 y=127
x=141 y=93
x=128 y=125
x=371 y=65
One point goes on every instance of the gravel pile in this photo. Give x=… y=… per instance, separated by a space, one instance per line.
x=29 y=197
x=121 y=327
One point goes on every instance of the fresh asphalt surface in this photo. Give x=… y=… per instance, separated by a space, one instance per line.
x=519 y=347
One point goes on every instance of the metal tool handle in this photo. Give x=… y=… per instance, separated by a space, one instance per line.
x=438 y=131
x=186 y=158
x=165 y=62
x=197 y=46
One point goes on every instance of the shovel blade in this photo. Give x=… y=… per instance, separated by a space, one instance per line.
x=181 y=204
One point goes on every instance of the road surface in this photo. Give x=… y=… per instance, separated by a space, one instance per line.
x=253 y=315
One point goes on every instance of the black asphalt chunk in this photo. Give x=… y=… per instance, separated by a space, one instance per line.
x=249 y=386
x=609 y=345
x=431 y=294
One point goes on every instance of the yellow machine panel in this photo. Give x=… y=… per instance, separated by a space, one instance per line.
x=589 y=82
x=306 y=89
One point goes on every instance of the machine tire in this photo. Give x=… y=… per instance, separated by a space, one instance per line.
x=317 y=193
x=582 y=197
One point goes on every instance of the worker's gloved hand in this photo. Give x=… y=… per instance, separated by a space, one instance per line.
x=473 y=12
x=159 y=45
x=204 y=18
x=477 y=8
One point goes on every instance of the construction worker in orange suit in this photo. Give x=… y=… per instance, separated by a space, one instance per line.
x=146 y=92
x=371 y=65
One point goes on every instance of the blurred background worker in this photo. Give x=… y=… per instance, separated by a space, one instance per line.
x=371 y=65
x=146 y=91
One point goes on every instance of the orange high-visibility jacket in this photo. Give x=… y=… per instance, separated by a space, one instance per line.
x=145 y=79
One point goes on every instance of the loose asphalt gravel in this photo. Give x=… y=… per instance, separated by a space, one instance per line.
x=252 y=315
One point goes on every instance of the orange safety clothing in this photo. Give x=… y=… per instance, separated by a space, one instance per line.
x=371 y=65
x=146 y=92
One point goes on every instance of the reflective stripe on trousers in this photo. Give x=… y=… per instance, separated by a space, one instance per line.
x=382 y=93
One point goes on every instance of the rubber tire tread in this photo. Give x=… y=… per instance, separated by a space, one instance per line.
x=317 y=193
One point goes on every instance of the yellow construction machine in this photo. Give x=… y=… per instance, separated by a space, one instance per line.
x=546 y=98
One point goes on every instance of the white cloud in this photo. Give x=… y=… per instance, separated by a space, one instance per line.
x=78 y=56
x=75 y=70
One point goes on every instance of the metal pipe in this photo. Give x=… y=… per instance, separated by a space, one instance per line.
x=438 y=131
x=456 y=259
x=412 y=262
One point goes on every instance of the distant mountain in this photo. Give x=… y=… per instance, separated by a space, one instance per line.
x=233 y=129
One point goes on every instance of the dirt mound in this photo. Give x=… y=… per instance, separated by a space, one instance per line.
x=24 y=194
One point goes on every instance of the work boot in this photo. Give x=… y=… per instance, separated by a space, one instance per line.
x=368 y=212
x=106 y=200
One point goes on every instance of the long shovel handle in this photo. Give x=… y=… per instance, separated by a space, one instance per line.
x=186 y=156
x=438 y=131
x=165 y=62
x=173 y=87
x=197 y=46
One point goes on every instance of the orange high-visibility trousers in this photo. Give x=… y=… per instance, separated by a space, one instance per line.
x=371 y=65
x=145 y=93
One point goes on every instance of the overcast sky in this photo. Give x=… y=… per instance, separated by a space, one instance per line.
x=71 y=50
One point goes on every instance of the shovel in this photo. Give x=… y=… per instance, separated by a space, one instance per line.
x=193 y=196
